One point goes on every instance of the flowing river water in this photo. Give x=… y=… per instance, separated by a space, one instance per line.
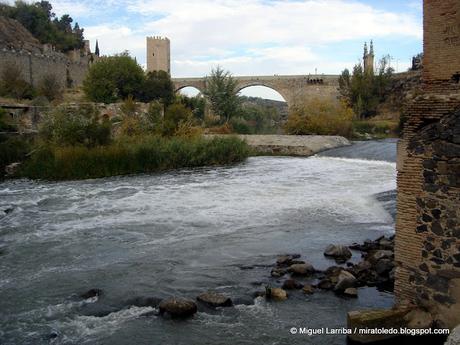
x=182 y=233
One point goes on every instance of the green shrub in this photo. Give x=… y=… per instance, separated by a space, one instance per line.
x=157 y=86
x=113 y=78
x=240 y=126
x=381 y=128
x=130 y=156
x=50 y=87
x=321 y=117
x=75 y=125
x=6 y=124
x=12 y=149
x=12 y=83
x=175 y=114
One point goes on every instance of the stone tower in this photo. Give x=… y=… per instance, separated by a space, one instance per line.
x=368 y=58
x=158 y=54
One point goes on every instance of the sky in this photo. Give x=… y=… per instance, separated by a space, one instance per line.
x=254 y=37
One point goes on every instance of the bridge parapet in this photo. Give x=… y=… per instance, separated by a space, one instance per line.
x=293 y=88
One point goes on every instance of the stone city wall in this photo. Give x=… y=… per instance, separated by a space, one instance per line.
x=35 y=66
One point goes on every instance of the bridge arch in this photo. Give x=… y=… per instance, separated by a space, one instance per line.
x=256 y=90
x=281 y=92
x=190 y=91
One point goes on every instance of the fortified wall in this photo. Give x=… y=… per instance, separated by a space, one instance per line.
x=35 y=66
x=427 y=245
x=19 y=47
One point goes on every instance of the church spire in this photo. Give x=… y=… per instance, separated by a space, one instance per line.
x=365 y=49
x=371 y=52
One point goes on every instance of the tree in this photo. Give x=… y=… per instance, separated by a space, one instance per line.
x=222 y=94
x=158 y=86
x=42 y=23
x=364 y=91
x=196 y=104
x=175 y=115
x=50 y=87
x=113 y=78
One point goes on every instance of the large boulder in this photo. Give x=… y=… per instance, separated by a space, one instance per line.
x=338 y=252
x=301 y=269
x=286 y=260
x=325 y=284
x=178 y=307
x=214 y=299
x=351 y=292
x=277 y=294
x=345 y=280
x=384 y=266
x=377 y=255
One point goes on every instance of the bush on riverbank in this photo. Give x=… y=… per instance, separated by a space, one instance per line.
x=75 y=125
x=320 y=117
x=132 y=156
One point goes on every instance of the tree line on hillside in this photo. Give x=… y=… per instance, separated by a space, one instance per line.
x=38 y=18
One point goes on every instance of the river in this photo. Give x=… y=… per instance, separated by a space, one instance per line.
x=182 y=233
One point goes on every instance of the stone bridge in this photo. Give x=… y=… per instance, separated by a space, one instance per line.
x=293 y=88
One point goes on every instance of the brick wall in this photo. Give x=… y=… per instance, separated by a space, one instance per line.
x=427 y=242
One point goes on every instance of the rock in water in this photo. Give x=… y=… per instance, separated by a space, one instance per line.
x=380 y=254
x=178 y=307
x=338 y=252
x=384 y=266
x=325 y=284
x=278 y=272
x=277 y=294
x=308 y=289
x=286 y=260
x=345 y=280
x=351 y=292
x=301 y=269
x=215 y=299
x=292 y=284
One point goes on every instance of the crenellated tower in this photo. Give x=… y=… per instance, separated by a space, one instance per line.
x=158 y=54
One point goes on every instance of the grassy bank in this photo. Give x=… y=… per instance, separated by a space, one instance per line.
x=376 y=128
x=132 y=156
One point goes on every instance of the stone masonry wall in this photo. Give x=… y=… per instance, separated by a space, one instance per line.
x=427 y=244
x=35 y=66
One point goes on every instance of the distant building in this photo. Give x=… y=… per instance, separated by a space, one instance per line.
x=368 y=58
x=158 y=54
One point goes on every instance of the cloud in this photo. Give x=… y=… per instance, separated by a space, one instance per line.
x=264 y=37
x=245 y=36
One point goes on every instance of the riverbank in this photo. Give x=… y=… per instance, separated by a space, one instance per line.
x=290 y=145
x=131 y=156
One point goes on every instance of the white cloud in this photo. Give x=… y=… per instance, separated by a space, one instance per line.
x=264 y=37
x=247 y=37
